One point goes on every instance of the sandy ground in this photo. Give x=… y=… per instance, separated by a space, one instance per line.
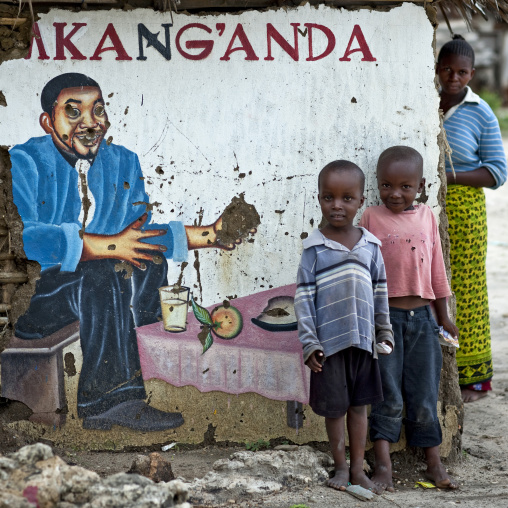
x=483 y=470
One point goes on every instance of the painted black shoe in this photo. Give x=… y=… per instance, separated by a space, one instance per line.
x=136 y=415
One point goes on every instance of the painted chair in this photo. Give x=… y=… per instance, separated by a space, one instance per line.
x=33 y=373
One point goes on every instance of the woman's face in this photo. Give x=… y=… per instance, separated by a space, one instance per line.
x=454 y=73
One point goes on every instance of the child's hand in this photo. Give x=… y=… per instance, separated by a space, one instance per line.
x=450 y=328
x=315 y=361
x=384 y=348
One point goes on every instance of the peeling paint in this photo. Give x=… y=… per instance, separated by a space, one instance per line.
x=148 y=206
x=198 y=274
x=180 y=277
x=123 y=266
x=238 y=219
x=83 y=166
x=70 y=364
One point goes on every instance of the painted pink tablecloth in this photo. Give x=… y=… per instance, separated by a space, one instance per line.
x=260 y=361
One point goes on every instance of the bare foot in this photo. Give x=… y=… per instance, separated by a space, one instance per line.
x=361 y=479
x=472 y=395
x=440 y=477
x=382 y=478
x=340 y=479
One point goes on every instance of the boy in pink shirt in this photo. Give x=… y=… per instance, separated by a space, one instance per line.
x=416 y=276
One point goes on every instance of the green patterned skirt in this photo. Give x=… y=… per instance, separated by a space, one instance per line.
x=465 y=207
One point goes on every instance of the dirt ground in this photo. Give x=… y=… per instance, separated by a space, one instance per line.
x=483 y=470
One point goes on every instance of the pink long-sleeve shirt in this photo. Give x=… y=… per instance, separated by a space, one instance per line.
x=411 y=249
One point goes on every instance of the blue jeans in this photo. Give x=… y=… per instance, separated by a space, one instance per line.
x=410 y=375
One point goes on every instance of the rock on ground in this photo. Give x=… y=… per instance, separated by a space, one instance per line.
x=153 y=466
x=33 y=476
x=247 y=474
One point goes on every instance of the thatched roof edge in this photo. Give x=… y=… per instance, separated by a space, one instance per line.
x=469 y=7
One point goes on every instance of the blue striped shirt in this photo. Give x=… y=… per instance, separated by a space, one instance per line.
x=341 y=297
x=473 y=133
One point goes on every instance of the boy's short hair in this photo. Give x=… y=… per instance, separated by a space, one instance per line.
x=401 y=153
x=52 y=89
x=343 y=165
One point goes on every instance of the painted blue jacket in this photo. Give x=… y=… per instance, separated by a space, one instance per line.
x=45 y=190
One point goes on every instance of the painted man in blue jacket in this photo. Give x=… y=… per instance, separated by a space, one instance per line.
x=84 y=209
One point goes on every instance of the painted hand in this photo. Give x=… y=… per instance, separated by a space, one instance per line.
x=217 y=226
x=124 y=246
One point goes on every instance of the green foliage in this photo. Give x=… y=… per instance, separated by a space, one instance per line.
x=298 y=506
x=255 y=446
x=493 y=99
x=503 y=124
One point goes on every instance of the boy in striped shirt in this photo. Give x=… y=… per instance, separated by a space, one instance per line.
x=341 y=305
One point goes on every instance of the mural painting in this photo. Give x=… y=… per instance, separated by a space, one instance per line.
x=118 y=160
x=78 y=241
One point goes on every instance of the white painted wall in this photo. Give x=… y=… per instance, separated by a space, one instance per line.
x=279 y=121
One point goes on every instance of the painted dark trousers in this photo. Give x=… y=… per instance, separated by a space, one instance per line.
x=108 y=306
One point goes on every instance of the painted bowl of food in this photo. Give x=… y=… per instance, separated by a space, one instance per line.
x=278 y=315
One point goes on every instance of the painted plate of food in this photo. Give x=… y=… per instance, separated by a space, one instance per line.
x=278 y=315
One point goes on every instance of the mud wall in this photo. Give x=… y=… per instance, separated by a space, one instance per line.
x=204 y=135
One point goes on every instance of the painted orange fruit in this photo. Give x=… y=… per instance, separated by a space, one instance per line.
x=227 y=322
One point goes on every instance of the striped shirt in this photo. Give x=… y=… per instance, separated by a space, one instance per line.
x=473 y=133
x=341 y=297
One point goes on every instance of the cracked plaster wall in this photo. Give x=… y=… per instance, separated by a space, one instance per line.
x=181 y=147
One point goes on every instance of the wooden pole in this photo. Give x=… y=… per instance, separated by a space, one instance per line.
x=12 y=21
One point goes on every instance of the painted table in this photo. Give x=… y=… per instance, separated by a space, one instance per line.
x=260 y=361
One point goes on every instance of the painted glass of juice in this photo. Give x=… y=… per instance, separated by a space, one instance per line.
x=174 y=303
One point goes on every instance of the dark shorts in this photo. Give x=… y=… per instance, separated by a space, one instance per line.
x=349 y=378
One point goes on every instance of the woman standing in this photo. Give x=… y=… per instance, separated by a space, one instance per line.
x=479 y=161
